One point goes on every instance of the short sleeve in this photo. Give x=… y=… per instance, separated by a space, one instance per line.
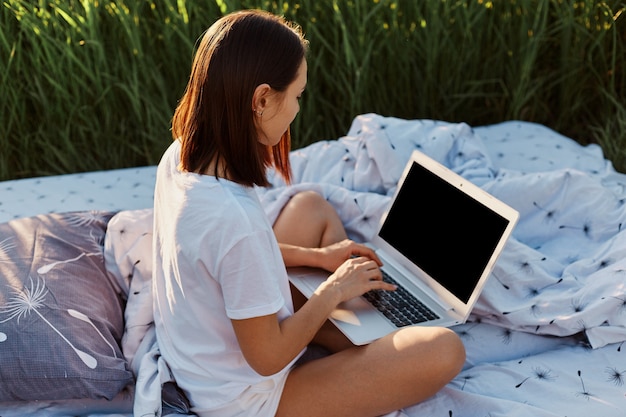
x=250 y=274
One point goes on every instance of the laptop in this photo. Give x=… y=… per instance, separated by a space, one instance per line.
x=438 y=240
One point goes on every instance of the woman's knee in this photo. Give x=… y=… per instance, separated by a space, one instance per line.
x=439 y=347
x=453 y=350
x=304 y=205
x=308 y=201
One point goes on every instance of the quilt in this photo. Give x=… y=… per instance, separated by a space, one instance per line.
x=564 y=270
x=546 y=337
x=552 y=318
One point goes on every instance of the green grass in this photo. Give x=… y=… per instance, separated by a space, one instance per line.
x=89 y=85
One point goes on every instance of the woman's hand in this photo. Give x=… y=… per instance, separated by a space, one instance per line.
x=268 y=344
x=354 y=277
x=332 y=256
x=328 y=257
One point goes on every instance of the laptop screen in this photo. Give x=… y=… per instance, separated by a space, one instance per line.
x=446 y=233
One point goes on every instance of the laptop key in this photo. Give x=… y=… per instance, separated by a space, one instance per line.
x=399 y=306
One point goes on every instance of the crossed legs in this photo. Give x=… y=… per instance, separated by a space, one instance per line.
x=393 y=372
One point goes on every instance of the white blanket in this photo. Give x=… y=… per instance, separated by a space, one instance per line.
x=552 y=317
x=563 y=272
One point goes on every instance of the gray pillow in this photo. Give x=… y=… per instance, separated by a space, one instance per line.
x=61 y=318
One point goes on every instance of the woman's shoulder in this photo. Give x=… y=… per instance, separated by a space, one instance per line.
x=224 y=203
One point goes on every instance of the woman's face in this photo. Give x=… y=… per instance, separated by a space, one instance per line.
x=282 y=109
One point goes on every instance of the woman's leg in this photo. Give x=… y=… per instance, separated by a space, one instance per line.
x=391 y=373
x=310 y=221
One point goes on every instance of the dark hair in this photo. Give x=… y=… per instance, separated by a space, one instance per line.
x=214 y=118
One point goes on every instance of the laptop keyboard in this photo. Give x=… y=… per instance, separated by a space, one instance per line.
x=399 y=306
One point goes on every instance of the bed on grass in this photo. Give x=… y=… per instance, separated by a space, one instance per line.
x=546 y=337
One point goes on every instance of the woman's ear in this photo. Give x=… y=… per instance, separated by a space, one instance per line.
x=260 y=98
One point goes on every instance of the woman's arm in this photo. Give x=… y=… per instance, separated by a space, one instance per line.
x=328 y=258
x=269 y=345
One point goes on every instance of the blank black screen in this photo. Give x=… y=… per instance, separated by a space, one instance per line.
x=446 y=233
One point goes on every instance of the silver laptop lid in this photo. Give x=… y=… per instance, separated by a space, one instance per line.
x=445 y=230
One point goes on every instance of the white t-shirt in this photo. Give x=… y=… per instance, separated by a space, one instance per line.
x=215 y=259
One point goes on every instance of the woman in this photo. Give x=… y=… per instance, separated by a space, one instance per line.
x=224 y=314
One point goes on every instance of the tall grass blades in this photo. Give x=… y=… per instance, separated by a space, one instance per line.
x=92 y=84
x=588 y=82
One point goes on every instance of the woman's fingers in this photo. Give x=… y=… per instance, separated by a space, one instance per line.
x=368 y=264
x=373 y=274
x=364 y=251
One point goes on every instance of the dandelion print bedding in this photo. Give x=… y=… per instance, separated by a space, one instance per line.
x=60 y=315
x=552 y=318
